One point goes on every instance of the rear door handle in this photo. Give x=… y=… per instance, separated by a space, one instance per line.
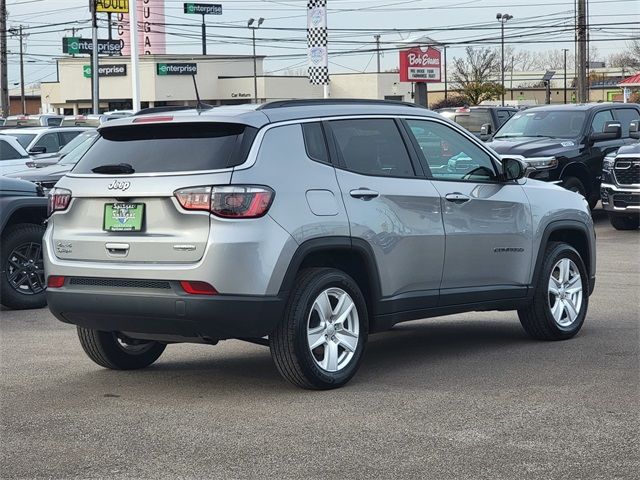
x=457 y=197
x=363 y=193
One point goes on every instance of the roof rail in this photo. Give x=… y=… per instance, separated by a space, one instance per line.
x=332 y=101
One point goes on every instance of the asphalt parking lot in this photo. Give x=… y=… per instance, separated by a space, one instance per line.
x=468 y=396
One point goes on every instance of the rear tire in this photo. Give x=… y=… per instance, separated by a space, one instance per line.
x=625 y=222
x=20 y=252
x=326 y=309
x=109 y=351
x=561 y=296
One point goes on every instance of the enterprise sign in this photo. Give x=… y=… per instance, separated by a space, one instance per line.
x=163 y=69
x=106 y=71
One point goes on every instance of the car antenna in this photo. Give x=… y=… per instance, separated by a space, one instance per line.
x=199 y=105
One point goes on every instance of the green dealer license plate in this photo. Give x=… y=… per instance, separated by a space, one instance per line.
x=123 y=217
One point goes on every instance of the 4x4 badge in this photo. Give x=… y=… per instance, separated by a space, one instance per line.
x=118 y=185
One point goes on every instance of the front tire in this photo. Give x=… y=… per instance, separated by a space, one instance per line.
x=625 y=222
x=22 y=282
x=109 y=350
x=320 y=341
x=561 y=296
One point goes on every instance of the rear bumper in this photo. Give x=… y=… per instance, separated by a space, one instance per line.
x=167 y=314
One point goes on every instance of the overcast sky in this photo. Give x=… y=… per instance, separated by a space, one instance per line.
x=547 y=22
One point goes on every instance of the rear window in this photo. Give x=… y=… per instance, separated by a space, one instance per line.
x=170 y=147
x=473 y=121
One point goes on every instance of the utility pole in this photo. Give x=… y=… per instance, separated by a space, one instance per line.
x=95 y=84
x=4 y=82
x=565 y=50
x=23 y=101
x=581 y=36
x=377 y=38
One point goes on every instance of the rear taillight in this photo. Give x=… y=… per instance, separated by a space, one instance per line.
x=55 y=281
x=59 y=199
x=239 y=201
x=198 y=288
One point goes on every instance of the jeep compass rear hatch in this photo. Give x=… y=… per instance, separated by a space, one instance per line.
x=123 y=206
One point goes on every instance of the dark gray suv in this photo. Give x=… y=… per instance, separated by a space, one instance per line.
x=304 y=226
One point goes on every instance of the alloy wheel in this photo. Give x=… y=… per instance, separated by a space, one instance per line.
x=333 y=329
x=565 y=292
x=25 y=269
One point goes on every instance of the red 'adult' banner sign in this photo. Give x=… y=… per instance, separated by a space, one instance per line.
x=420 y=65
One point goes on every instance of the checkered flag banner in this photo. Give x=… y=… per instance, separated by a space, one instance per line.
x=317 y=54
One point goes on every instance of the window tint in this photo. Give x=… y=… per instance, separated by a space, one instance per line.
x=626 y=116
x=170 y=147
x=50 y=141
x=7 y=152
x=54 y=122
x=67 y=136
x=599 y=120
x=449 y=155
x=372 y=147
x=314 y=141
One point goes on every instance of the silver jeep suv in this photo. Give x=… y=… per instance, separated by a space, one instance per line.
x=304 y=226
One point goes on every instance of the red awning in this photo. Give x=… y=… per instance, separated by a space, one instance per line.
x=632 y=81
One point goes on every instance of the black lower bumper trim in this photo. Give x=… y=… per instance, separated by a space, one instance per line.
x=216 y=317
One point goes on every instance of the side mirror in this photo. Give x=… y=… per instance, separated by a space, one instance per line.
x=513 y=168
x=37 y=150
x=634 y=129
x=611 y=131
x=485 y=132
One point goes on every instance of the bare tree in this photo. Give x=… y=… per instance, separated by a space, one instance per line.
x=475 y=74
x=630 y=58
x=479 y=66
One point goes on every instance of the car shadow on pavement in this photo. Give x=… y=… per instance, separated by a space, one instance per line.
x=424 y=346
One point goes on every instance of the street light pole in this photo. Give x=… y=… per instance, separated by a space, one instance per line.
x=253 y=28
x=502 y=18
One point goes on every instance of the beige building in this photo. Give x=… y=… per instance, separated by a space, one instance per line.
x=167 y=80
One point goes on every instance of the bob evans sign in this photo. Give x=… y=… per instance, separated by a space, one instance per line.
x=106 y=71
x=176 y=68
x=418 y=65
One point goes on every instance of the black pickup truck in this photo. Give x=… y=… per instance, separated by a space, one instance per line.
x=23 y=210
x=566 y=144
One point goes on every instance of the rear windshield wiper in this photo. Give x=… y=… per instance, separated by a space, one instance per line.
x=114 y=169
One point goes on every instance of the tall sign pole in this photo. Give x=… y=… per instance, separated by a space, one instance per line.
x=317 y=52
x=95 y=84
x=203 y=9
x=135 y=73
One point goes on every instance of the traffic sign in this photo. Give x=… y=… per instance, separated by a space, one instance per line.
x=203 y=8
x=112 y=6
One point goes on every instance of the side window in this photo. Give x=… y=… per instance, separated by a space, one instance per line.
x=449 y=155
x=314 y=141
x=66 y=137
x=599 y=120
x=626 y=116
x=50 y=142
x=372 y=147
x=503 y=116
x=7 y=152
